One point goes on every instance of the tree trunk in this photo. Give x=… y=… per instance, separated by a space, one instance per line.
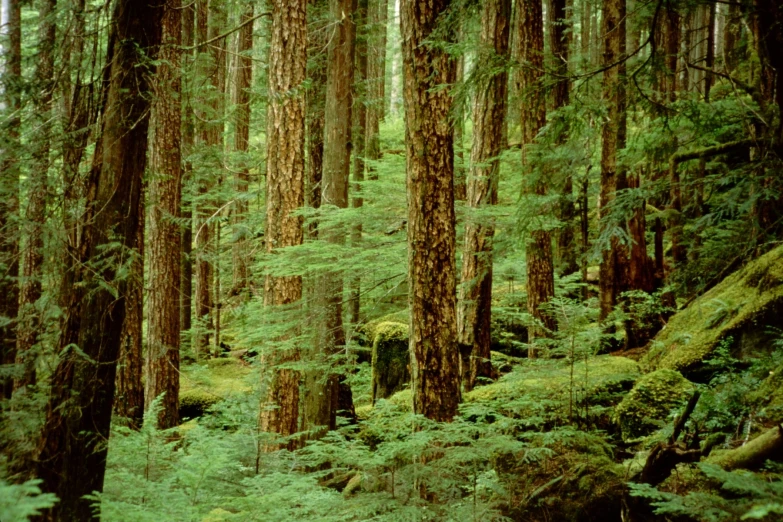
x=710 y=57
x=29 y=323
x=72 y=460
x=316 y=104
x=11 y=28
x=431 y=224
x=672 y=50
x=538 y=252
x=244 y=81
x=186 y=190
x=568 y=251
x=129 y=390
x=731 y=36
x=323 y=391
x=285 y=194
x=376 y=79
x=613 y=139
x=163 y=322
x=489 y=117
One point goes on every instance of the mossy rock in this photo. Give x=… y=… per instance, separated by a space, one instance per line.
x=542 y=391
x=650 y=402
x=390 y=359
x=194 y=403
x=740 y=307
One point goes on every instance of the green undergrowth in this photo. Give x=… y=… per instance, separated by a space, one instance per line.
x=204 y=385
x=743 y=301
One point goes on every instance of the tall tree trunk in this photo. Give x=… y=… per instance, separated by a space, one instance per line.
x=709 y=62
x=568 y=250
x=285 y=194
x=360 y=145
x=489 y=117
x=612 y=139
x=163 y=322
x=244 y=81
x=11 y=42
x=538 y=252
x=376 y=79
x=72 y=460
x=186 y=186
x=323 y=393
x=431 y=224
x=28 y=324
x=129 y=390
x=731 y=36
x=460 y=181
x=672 y=50
x=316 y=104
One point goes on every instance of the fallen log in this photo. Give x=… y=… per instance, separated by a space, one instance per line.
x=767 y=446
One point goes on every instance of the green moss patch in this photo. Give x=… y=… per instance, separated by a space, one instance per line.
x=743 y=302
x=204 y=385
x=650 y=402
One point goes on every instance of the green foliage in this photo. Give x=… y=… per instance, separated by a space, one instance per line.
x=20 y=502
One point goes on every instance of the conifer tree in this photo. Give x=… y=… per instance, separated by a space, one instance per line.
x=429 y=142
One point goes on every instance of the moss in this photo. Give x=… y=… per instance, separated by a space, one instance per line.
x=368 y=331
x=749 y=296
x=650 y=401
x=194 y=403
x=390 y=359
x=203 y=385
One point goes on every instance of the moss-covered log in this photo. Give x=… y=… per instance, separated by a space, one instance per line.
x=767 y=446
x=390 y=359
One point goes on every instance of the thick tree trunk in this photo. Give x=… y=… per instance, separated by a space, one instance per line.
x=709 y=62
x=731 y=36
x=186 y=192
x=431 y=223
x=613 y=139
x=568 y=249
x=672 y=51
x=323 y=392
x=316 y=103
x=163 y=322
x=538 y=252
x=285 y=194
x=244 y=81
x=489 y=117
x=11 y=29
x=129 y=390
x=72 y=460
x=28 y=324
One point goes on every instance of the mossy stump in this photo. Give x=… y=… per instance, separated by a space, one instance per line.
x=649 y=403
x=390 y=359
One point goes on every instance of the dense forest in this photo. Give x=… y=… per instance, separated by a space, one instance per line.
x=391 y=260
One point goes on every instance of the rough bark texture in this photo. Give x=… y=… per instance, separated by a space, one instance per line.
x=9 y=183
x=316 y=103
x=244 y=81
x=672 y=50
x=163 y=321
x=612 y=140
x=431 y=229
x=188 y=141
x=489 y=116
x=285 y=194
x=72 y=460
x=28 y=324
x=129 y=391
x=540 y=265
x=323 y=392
x=568 y=249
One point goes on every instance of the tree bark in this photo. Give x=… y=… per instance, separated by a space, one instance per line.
x=323 y=392
x=163 y=322
x=431 y=224
x=129 y=390
x=489 y=117
x=376 y=79
x=613 y=139
x=72 y=460
x=186 y=186
x=285 y=194
x=29 y=323
x=11 y=43
x=568 y=250
x=538 y=252
x=244 y=81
